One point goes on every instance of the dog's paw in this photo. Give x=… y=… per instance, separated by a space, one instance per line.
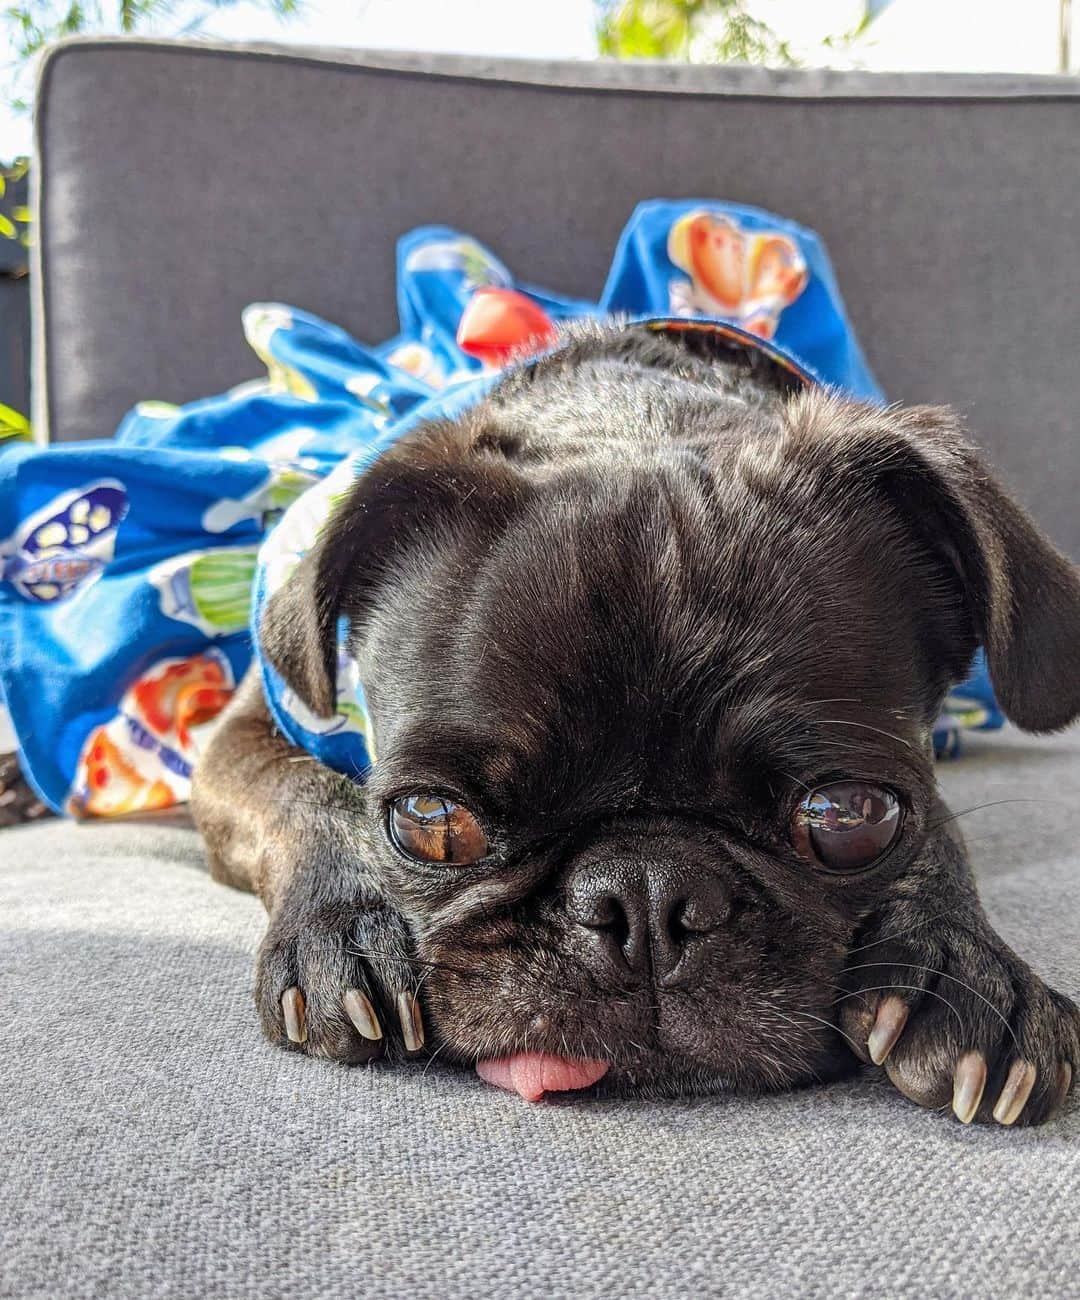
x=957 y=1019
x=340 y=984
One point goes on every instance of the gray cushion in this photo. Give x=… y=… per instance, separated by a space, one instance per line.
x=180 y=182
x=153 y=1145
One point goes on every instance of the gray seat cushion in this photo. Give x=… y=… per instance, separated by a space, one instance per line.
x=154 y=1145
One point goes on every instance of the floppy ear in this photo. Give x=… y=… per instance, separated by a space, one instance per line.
x=428 y=487
x=1023 y=595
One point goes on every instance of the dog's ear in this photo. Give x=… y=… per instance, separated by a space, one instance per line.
x=1022 y=594
x=429 y=487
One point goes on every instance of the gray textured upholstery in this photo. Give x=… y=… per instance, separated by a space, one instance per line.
x=152 y=1145
x=180 y=182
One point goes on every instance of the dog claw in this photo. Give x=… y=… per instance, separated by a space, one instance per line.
x=362 y=1014
x=412 y=1024
x=1064 y=1082
x=969 y=1080
x=888 y=1026
x=292 y=1008
x=1016 y=1091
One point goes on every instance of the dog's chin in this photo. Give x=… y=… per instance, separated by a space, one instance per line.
x=672 y=1080
x=671 y=1077
x=644 y=1071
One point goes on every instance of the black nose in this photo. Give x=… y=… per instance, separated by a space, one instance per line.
x=636 y=916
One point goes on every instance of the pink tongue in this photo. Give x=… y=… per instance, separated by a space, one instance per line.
x=531 y=1074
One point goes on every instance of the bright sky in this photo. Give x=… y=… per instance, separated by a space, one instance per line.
x=943 y=35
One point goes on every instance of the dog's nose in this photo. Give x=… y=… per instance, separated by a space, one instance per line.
x=639 y=916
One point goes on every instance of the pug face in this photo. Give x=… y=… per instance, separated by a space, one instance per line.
x=653 y=647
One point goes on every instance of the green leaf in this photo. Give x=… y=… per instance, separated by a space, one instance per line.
x=12 y=424
x=21 y=213
x=674 y=29
x=7 y=228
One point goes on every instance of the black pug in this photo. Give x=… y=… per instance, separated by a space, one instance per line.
x=653 y=639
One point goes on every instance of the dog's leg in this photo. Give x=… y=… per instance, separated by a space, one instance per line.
x=334 y=976
x=955 y=1016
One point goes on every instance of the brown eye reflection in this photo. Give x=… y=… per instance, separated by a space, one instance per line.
x=846 y=826
x=430 y=828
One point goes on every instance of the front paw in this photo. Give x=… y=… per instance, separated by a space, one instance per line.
x=956 y=1018
x=340 y=983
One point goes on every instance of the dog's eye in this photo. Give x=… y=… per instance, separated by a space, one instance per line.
x=846 y=826
x=433 y=829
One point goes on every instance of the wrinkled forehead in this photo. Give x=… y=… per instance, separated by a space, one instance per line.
x=654 y=628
